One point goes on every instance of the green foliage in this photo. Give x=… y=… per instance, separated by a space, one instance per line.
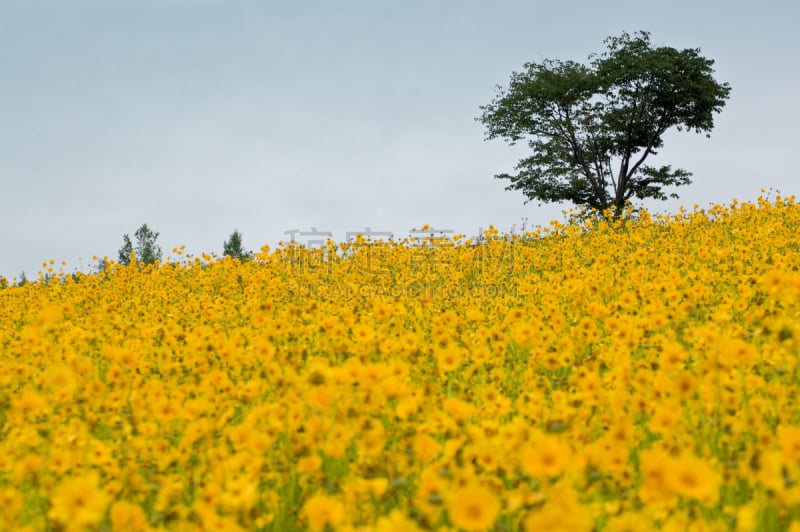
x=233 y=247
x=102 y=263
x=146 y=249
x=126 y=250
x=591 y=127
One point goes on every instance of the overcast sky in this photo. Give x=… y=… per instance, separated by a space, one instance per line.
x=201 y=117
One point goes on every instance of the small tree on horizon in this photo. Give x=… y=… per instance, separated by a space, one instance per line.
x=146 y=248
x=233 y=247
x=591 y=127
x=102 y=264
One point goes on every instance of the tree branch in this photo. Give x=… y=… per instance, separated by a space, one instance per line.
x=580 y=159
x=650 y=144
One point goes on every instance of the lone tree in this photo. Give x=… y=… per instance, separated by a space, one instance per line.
x=233 y=247
x=591 y=127
x=147 y=251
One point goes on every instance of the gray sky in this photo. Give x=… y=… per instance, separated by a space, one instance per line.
x=201 y=117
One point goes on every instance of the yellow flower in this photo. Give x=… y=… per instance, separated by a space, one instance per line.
x=685 y=385
x=458 y=409
x=79 y=502
x=738 y=353
x=475 y=314
x=694 y=478
x=545 y=457
x=309 y=464
x=473 y=508
x=672 y=356
x=395 y=522
x=128 y=516
x=449 y=358
x=240 y=494
x=525 y=334
x=382 y=310
x=426 y=448
x=637 y=340
x=630 y=522
x=587 y=330
x=29 y=403
x=61 y=380
x=655 y=465
x=10 y=506
x=363 y=333
x=323 y=511
x=665 y=417
x=746 y=517
x=562 y=511
x=789 y=442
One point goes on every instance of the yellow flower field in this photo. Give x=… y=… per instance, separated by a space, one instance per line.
x=604 y=375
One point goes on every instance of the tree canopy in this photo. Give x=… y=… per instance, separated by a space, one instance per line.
x=233 y=247
x=146 y=248
x=591 y=127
